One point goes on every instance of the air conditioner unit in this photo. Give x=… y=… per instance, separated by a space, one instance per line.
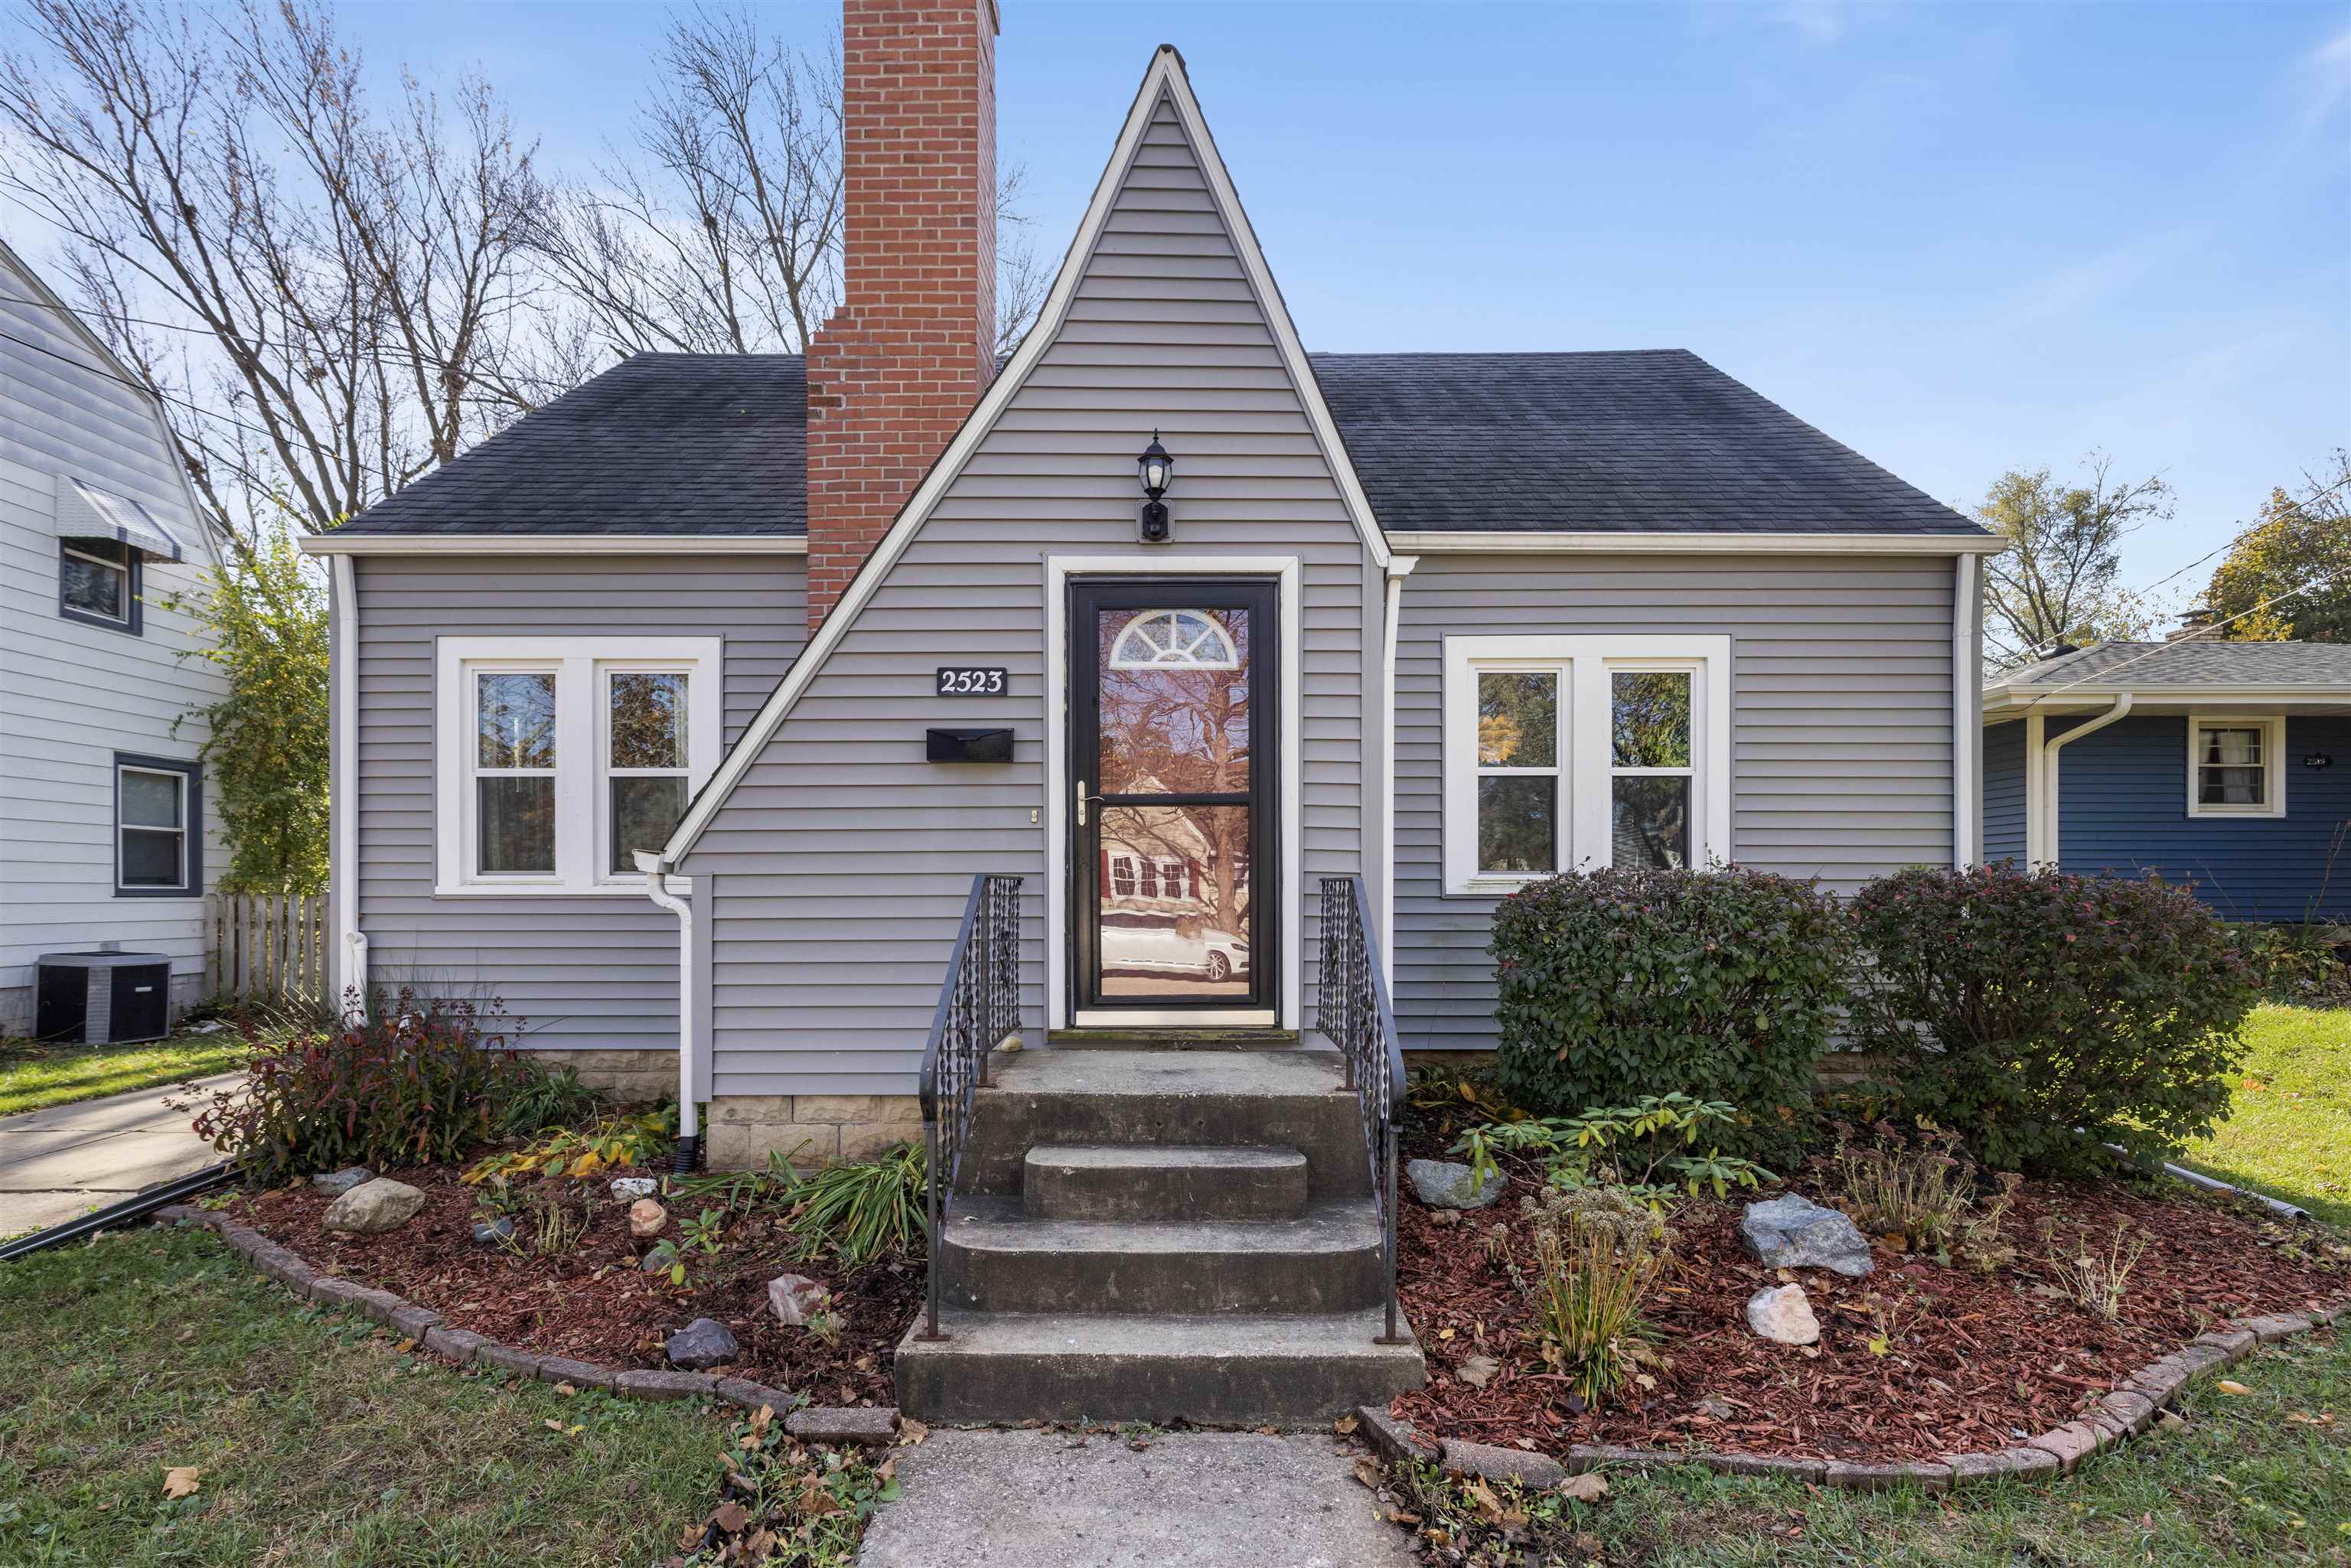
x=103 y=999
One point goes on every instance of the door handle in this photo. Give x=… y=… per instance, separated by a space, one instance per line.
x=1082 y=799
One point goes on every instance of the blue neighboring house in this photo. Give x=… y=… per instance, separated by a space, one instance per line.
x=2223 y=765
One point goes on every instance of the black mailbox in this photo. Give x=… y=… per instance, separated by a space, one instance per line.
x=968 y=746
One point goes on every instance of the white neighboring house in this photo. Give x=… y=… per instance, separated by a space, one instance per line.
x=108 y=831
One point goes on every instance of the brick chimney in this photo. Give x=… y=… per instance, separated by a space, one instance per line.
x=893 y=372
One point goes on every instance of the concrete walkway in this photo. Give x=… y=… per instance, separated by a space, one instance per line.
x=70 y=1159
x=1191 y=1500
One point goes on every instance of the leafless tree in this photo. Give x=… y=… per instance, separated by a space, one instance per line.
x=2056 y=583
x=327 y=294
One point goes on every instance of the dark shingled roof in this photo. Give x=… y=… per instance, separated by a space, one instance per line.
x=1642 y=442
x=2195 y=662
x=1654 y=440
x=660 y=444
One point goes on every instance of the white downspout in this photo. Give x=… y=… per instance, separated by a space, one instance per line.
x=1399 y=567
x=2049 y=795
x=1967 y=716
x=350 y=944
x=689 y=1126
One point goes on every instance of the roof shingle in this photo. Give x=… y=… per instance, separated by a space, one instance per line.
x=2194 y=663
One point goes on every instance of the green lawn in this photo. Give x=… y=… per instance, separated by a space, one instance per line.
x=32 y=1076
x=318 y=1444
x=2289 y=1134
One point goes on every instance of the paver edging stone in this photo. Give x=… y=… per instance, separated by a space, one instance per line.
x=875 y=1426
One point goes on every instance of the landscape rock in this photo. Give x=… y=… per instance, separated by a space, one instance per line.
x=496 y=1231
x=1716 y=1406
x=628 y=1189
x=334 y=1184
x=1783 y=1314
x=374 y=1206
x=795 y=1298
x=1442 y=1184
x=1794 y=1232
x=646 y=1217
x=701 y=1345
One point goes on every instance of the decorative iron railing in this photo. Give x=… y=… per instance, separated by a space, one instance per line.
x=979 y=1006
x=1355 y=1016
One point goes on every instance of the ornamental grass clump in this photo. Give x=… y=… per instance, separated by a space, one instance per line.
x=2042 y=1015
x=1596 y=1254
x=1721 y=985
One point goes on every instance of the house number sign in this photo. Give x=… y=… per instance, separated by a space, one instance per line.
x=970 y=681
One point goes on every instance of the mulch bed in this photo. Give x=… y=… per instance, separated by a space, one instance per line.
x=1973 y=1361
x=595 y=1303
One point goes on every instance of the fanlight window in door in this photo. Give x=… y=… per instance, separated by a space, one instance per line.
x=1175 y=640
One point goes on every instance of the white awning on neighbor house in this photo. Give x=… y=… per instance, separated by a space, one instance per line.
x=86 y=512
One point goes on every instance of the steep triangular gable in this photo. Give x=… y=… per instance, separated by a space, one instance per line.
x=1165 y=87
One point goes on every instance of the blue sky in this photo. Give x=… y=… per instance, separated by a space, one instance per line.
x=1959 y=238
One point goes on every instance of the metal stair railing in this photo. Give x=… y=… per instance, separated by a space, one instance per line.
x=979 y=1006
x=1355 y=1014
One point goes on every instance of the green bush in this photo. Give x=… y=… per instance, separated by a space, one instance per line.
x=1721 y=985
x=2040 y=1015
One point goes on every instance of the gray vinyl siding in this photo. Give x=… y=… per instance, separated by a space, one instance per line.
x=74 y=694
x=588 y=972
x=841 y=864
x=2003 y=791
x=1841 y=727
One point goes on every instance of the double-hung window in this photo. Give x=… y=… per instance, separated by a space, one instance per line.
x=2236 y=767
x=1567 y=752
x=98 y=582
x=158 y=813
x=560 y=758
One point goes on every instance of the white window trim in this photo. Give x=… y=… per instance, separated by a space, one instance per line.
x=2272 y=729
x=580 y=663
x=74 y=548
x=1585 y=755
x=187 y=805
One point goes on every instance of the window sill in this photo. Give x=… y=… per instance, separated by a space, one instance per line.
x=682 y=885
x=1497 y=886
x=2237 y=814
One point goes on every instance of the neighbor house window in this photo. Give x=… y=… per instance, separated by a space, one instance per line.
x=98 y=581
x=561 y=758
x=2236 y=767
x=158 y=828
x=1584 y=751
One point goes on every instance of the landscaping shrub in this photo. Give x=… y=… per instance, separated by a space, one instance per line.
x=2309 y=965
x=1647 y=1150
x=420 y=1080
x=1597 y=1252
x=2040 y=1015
x=1721 y=985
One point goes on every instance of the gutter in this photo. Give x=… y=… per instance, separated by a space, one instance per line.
x=689 y=1125
x=2043 y=798
x=351 y=977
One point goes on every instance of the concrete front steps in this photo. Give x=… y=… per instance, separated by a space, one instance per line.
x=1158 y=1233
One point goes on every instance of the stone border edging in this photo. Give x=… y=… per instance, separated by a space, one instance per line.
x=873 y=1428
x=2112 y=1419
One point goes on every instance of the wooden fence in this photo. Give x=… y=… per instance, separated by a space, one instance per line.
x=267 y=949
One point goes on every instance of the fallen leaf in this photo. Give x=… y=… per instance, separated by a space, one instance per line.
x=181 y=1480
x=1489 y=1507
x=1368 y=1472
x=1479 y=1371
x=2225 y=1387
x=566 y=1389
x=552 y=1425
x=1589 y=1487
x=404 y=1347
x=911 y=1431
x=1345 y=1425
x=1269 y=1431
x=731 y=1517
x=1445 y=1334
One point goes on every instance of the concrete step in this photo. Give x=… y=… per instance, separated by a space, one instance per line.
x=1294 y=1098
x=1164 y=1181
x=1230 y=1370
x=995 y=1258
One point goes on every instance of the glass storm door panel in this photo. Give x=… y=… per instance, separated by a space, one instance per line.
x=1171 y=779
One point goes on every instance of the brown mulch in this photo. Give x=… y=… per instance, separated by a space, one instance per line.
x=1973 y=1361
x=595 y=1303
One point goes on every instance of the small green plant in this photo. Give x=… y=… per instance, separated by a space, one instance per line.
x=1646 y=1148
x=1476 y=1523
x=615 y=1142
x=858 y=1212
x=791 y=1506
x=698 y=1238
x=553 y=1098
x=2096 y=1280
x=1596 y=1252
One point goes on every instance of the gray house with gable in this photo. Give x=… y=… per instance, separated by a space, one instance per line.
x=708 y=715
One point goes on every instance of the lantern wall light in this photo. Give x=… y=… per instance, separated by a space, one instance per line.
x=1156 y=469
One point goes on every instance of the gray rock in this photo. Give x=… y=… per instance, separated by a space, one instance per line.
x=796 y=1298
x=1783 y=1314
x=1794 y=1232
x=628 y=1189
x=373 y=1207
x=1441 y=1184
x=500 y=1229
x=873 y=1426
x=701 y=1345
x=334 y=1184
x=1715 y=1407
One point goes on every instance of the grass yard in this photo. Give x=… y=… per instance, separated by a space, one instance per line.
x=2290 y=1133
x=317 y=1444
x=32 y=1076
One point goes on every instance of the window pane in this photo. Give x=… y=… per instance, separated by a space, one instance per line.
x=150 y=858
x=1649 y=822
x=645 y=810
x=517 y=718
x=1518 y=824
x=1183 y=931
x=93 y=589
x=1517 y=719
x=2230 y=786
x=1174 y=701
x=2237 y=747
x=517 y=831
x=1650 y=718
x=648 y=718
x=150 y=800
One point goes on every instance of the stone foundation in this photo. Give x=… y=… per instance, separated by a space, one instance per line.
x=629 y=1076
x=809 y=1130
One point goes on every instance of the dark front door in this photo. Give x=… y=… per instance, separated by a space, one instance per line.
x=1173 y=776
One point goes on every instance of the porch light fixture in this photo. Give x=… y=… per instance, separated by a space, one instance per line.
x=1158 y=471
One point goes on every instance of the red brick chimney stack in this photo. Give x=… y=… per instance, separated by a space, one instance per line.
x=893 y=372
